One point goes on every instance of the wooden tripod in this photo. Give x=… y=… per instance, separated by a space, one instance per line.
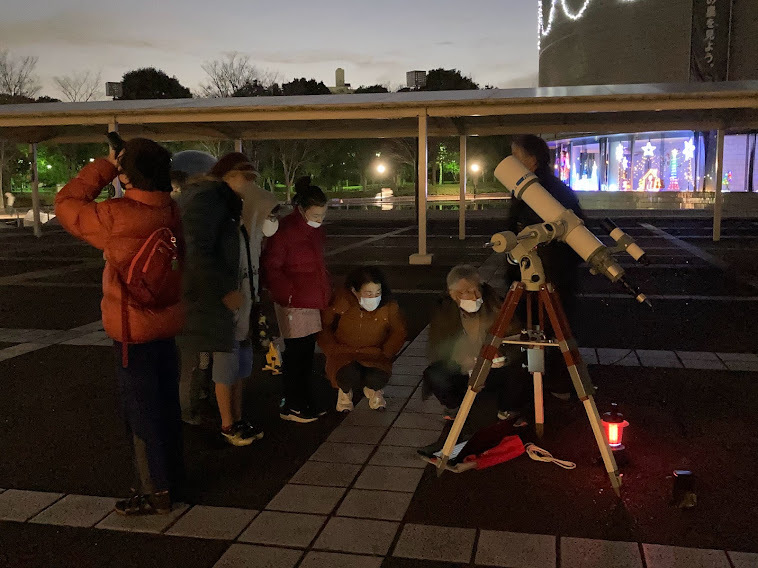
x=547 y=302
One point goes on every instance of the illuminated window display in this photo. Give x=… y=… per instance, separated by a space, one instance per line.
x=585 y=164
x=652 y=161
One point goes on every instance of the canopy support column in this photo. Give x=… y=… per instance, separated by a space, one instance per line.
x=718 y=204
x=462 y=206
x=423 y=186
x=35 y=192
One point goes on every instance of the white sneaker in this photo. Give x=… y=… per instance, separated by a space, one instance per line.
x=344 y=401
x=375 y=399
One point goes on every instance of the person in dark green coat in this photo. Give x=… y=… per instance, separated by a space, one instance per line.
x=216 y=287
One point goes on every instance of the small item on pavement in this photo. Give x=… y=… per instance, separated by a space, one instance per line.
x=684 y=496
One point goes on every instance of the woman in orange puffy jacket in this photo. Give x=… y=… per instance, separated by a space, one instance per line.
x=147 y=366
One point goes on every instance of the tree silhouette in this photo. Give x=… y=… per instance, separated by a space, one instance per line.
x=258 y=89
x=304 y=86
x=151 y=83
x=81 y=86
x=231 y=74
x=371 y=89
x=448 y=80
x=17 y=75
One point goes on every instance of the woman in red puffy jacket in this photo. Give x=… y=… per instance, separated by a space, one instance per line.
x=295 y=274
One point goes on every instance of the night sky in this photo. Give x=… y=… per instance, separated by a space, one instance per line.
x=493 y=41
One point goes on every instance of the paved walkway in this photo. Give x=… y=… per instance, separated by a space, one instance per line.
x=345 y=506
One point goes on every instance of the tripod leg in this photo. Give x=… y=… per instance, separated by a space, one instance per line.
x=482 y=366
x=581 y=379
x=536 y=365
x=539 y=409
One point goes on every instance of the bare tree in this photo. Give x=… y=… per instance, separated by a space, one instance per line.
x=294 y=154
x=402 y=150
x=79 y=87
x=228 y=75
x=17 y=75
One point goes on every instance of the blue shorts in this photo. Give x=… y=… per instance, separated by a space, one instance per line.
x=230 y=368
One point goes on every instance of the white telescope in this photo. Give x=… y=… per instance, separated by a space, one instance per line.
x=525 y=186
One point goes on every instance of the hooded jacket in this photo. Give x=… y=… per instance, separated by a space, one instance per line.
x=211 y=218
x=257 y=205
x=119 y=227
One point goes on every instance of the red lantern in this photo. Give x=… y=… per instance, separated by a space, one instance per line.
x=614 y=425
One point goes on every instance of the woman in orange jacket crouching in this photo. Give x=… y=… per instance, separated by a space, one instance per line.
x=363 y=330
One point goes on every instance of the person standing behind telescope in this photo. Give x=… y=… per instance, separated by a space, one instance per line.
x=559 y=261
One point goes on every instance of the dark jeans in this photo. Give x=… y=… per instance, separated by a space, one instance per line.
x=297 y=371
x=355 y=376
x=194 y=382
x=149 y=392
x=450 y=385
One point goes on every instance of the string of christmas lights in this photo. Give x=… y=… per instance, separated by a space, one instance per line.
x=543 y=30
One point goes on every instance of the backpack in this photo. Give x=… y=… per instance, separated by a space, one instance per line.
x=152 y=280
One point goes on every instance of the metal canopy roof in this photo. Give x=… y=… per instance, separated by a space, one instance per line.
x=732 y=106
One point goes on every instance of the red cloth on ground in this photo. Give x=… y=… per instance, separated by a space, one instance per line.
x=509 y=447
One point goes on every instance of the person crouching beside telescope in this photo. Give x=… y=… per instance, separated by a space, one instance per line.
x=457 y=331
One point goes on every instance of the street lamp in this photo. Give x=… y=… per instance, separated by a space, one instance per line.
x=475 y=170
x=381 y=169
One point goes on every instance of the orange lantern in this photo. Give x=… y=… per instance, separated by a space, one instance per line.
x=614 y=425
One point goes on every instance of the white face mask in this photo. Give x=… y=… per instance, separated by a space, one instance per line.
x=270 y=226
x=471 y=306
x=370 y=304
x=314 y=224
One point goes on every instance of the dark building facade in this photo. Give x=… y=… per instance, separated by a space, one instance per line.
x=598 y=42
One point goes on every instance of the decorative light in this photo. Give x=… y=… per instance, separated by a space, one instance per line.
x=614 y=425
x=543 y=30
x=92 y=159
x=650 y=181
x=689 y=150
x=624 y=162
x=648 y=150
x=49 y=167
x=619 y=152
x=673 y=178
